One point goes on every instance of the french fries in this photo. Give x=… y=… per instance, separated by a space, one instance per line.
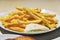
x=41 y=16
x=17 y=29
x=30 y=13
x=18 y=20
x=19 y=8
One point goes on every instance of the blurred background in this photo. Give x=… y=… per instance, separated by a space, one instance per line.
x=53 y=5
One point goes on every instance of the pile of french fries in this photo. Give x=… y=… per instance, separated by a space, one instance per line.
x=18 y=20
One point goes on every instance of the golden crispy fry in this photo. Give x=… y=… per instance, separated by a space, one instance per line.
x=17 y=17
x=51 y=26
x=5 y=24
x=23 y=25
x=3 y=18
x=15 y=21
x=27 y=22
x=49 y=15
x=55 y=21
x=17 y=29
x=37 y=10
x=52 y=20
x=25 y=19
x=16 y=13
x=19 y=8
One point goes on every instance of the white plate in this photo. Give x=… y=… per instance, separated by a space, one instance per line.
x=43 y=10
x=6 y=36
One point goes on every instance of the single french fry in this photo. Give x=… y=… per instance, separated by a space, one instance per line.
x=16 y=13
x=37 y=10
x=48 y=15
x=33 y=21
x=25 y=19
x=23 y=25
x=3 y=18
x=17 y=17
x=19 y=8
x=55 y=20
x=51 y=26
x=17 y=29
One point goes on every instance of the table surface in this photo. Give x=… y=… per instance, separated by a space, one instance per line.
x=53 y=5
